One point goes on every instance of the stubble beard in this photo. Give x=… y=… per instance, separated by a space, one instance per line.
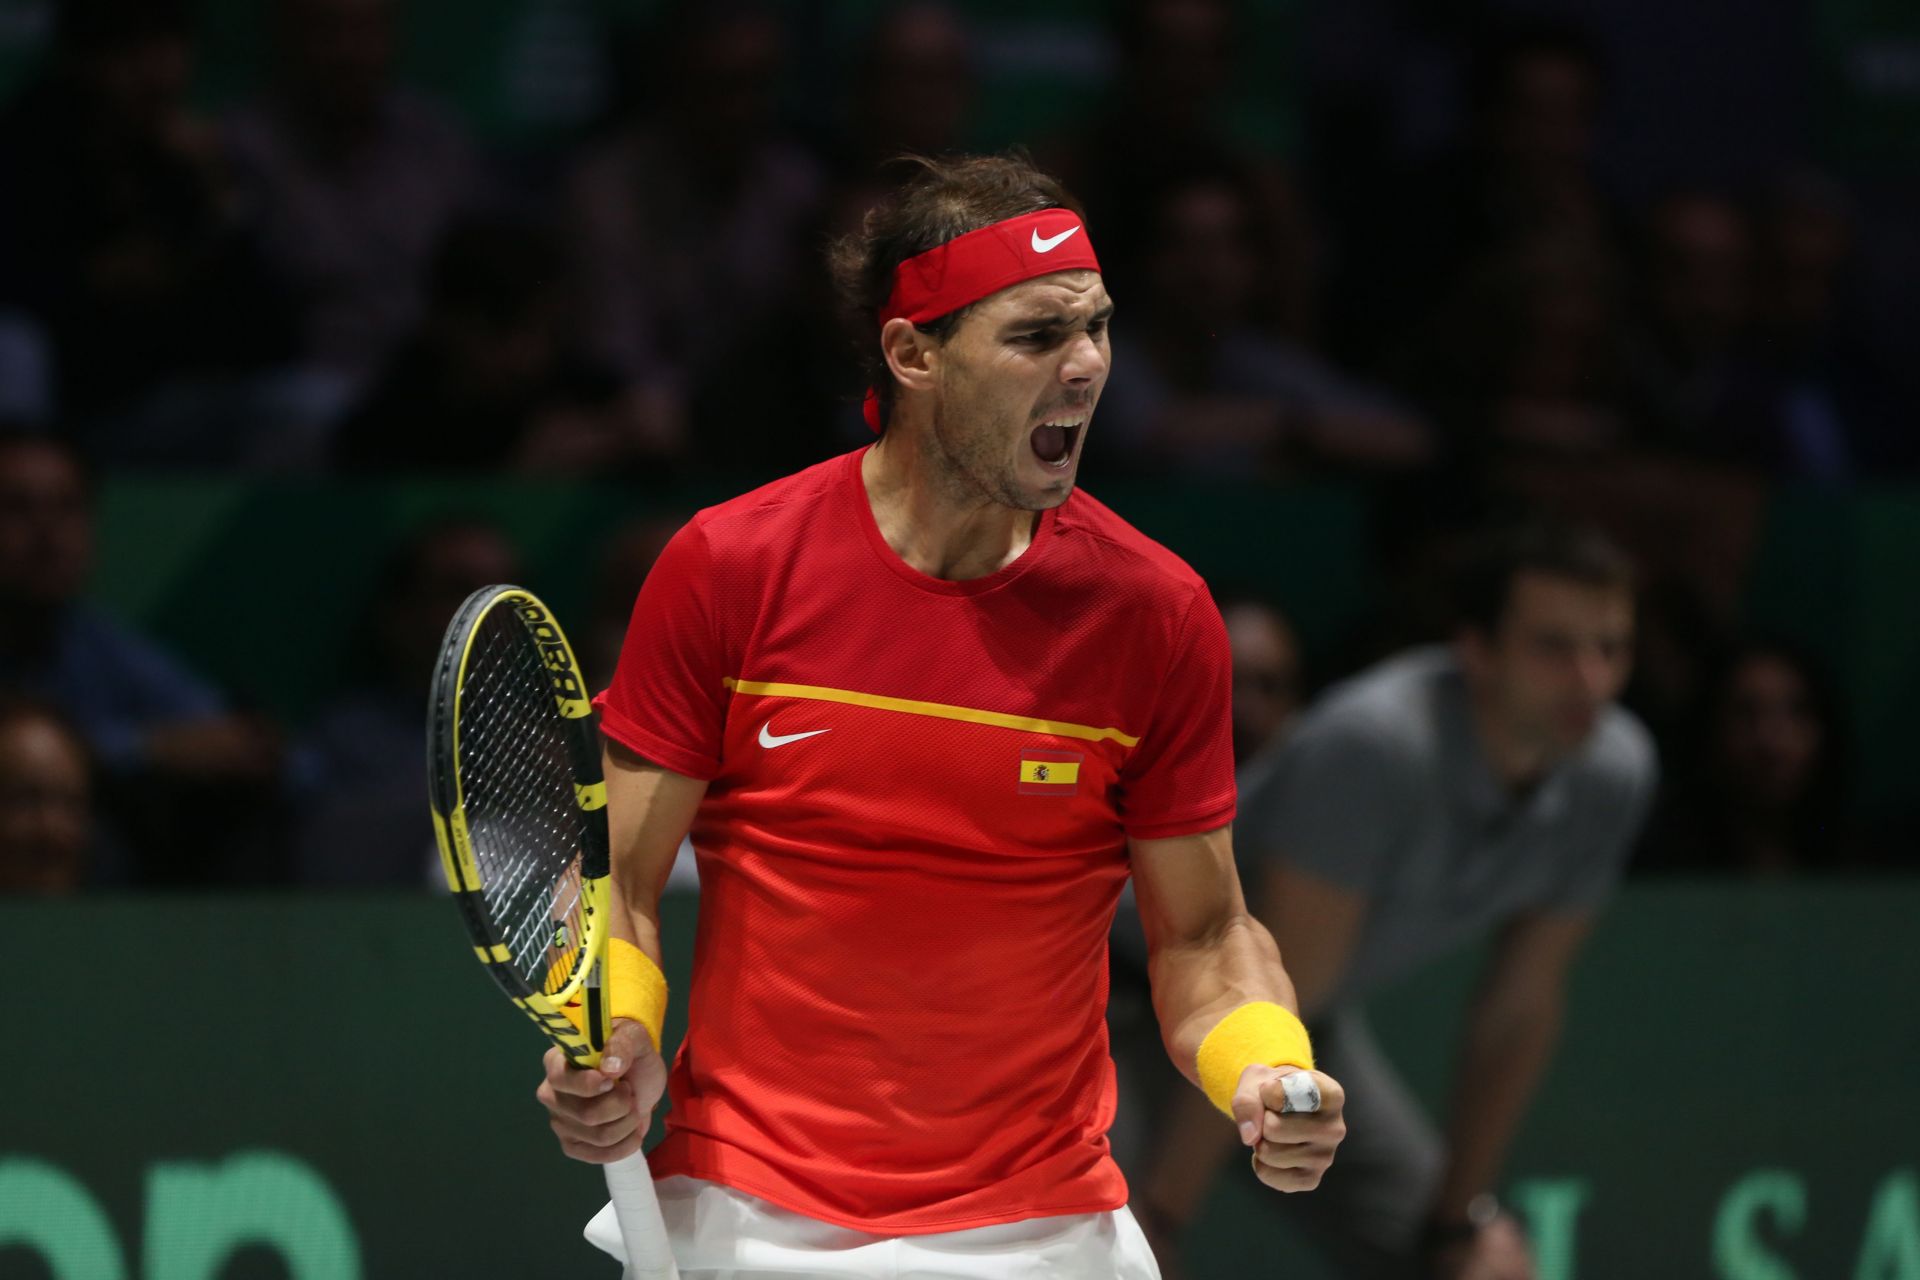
x=968 y=469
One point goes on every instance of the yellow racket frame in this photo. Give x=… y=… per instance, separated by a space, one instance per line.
x=447 y=794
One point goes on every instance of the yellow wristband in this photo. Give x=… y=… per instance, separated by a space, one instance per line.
x=636 y=987
x=1256 y=1034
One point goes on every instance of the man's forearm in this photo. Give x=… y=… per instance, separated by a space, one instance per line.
x=635 y=907
x=1505 y=1052
x=1198 y=981
x=649 y=810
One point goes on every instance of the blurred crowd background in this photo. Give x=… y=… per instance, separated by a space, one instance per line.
x=1656 y=268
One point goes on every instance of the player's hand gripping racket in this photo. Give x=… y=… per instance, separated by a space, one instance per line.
x=520 y=812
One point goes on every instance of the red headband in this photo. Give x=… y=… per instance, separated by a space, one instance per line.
x=969 y=267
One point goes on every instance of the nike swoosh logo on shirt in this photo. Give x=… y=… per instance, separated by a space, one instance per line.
x=782 y=739
x=1051 y=243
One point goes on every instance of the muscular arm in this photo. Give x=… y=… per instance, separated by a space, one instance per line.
x=649 y=810
x=1315 y=923
x=1206 y=954
x=1512 y=1028
x=1206 y=957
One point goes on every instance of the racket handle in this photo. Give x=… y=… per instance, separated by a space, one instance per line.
x=637 y=1209
x=1303 y=1094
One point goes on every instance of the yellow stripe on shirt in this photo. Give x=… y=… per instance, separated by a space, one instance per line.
x=942 y=710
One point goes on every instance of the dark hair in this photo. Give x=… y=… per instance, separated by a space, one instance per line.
x=1820 y=814
x=937 y=200
x=1496 y=558
x=1823 y=695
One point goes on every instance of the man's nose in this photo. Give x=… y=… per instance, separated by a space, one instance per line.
x=1084 y=361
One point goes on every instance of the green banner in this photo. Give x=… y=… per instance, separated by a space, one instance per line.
x=330 y=1088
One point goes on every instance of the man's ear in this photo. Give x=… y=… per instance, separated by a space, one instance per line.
x=913 y=356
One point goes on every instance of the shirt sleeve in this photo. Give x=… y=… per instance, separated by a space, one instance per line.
x=1179 y=780
x=1335 y=801
x=667 y=701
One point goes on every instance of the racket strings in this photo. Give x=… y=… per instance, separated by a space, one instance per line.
x=516 y=777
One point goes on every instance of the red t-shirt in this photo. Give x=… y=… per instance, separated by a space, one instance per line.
x=912 y=842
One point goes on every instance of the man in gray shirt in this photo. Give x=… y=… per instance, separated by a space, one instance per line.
x=1490 y=788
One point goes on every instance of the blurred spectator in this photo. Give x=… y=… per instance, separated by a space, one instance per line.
x=1524 y=173
x=1162 y=117
x=353 y=178
x=1697 y=294
x=1534 y=91
x=1493 y=789
x=1763 y=788
x=1528 y=359
x=120 y=238
x=1267 y=686
x=492 y=378
x=164 y=739
x=46 y=801
x=692 y=230
x=1816 y=401
x=912 y=91
x=360 y=768
x=1197 y=385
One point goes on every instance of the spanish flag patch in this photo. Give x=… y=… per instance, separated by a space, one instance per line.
x=1049 y=773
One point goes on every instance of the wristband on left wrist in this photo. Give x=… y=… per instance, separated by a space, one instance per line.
x=1256 y=1033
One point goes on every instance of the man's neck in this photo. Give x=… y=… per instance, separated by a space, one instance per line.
x=930 y=521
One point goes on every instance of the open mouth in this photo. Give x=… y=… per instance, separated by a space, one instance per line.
x=1053 y=442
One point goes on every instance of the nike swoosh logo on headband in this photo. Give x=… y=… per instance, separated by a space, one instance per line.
x=1051 y=243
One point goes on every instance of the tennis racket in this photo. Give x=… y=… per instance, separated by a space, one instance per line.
x=520 y=814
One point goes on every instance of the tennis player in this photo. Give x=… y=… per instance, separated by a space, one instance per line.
x=924 y=709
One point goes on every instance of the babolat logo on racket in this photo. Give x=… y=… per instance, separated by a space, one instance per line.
x=553 y=651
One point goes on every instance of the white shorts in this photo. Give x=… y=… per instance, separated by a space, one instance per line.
x=718 y=1233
